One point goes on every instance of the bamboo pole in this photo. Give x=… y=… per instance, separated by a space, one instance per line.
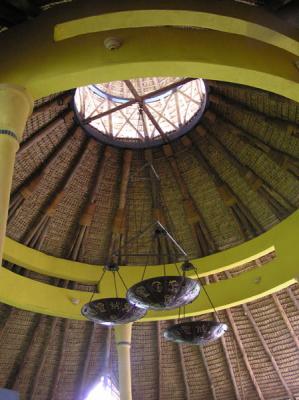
x=123 y=335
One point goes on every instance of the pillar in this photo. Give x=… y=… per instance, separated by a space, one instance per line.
x=123 y=344
x=15 y=107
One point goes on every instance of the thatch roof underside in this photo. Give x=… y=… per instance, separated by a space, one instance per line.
x=47 y=358
x=239 y=171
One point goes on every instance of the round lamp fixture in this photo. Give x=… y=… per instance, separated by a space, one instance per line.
x=112 y=311
x=195 y=332
x=163 y=292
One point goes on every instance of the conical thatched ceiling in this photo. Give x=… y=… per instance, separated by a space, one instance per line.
x=231 y=178
x=239 y=170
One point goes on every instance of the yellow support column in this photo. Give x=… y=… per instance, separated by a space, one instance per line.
x=15 y=107
x=123 y=344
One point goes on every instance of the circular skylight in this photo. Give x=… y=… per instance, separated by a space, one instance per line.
x=140 y=112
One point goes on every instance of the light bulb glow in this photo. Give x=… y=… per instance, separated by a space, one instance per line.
x=104 y=390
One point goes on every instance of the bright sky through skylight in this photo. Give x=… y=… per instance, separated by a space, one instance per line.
x=104 y=390
x=141 y=110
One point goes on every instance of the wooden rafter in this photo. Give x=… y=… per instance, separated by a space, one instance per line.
x=227 y=357
x=37 y=229
x=108 y=112
x=258 y=184
x=162 y=116
x=238 y=339
x=222 y=99
x=246 y=220
x=58 y=101
x=209 y=376
x=184 y=373
x=64 y=117
x=268 y=351
x=159 y=369
x=144 y=108
x=138 y=98
x=118 y=227
x=248 y=313
x=230 y=367
x=244 y=354
x=280 y=157
x=200 y=231
x=286 y=319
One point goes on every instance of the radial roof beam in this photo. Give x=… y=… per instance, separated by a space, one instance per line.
x=118 y=227
x=286 y=320
x=248 y=313
x=287 y=126
x=238 y=339
x=87 y=215
x=63 y=100
x=64 y=117
x=254 y=181
x=159 y=352
x=268 y=351
x=36 y=232
x=209 y=376
x=184 y=373
x=281 y=158
x=244 y=354
x=226 y=355
x=246 y=220
x=199 y=229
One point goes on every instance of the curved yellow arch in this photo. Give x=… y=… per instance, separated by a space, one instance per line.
x=44 y=66
x=275 y=275
x=88 y=274
x=220 y=16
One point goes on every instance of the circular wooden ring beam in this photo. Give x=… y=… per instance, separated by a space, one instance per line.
x=248 y=286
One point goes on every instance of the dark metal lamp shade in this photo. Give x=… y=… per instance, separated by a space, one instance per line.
x=195 y=332
x=164 y=292
x=112 y=311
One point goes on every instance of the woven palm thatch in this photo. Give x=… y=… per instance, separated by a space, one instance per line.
x=238 y=170
x=228 y=180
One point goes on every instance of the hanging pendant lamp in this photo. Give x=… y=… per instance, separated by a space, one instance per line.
x=164 y=292
x=196 y=332
x=114 y=310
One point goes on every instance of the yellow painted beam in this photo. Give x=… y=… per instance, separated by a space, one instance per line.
x=45 y=66
x=255 y=23
x=248 y=286
x=44 y=264
x=15 y=107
